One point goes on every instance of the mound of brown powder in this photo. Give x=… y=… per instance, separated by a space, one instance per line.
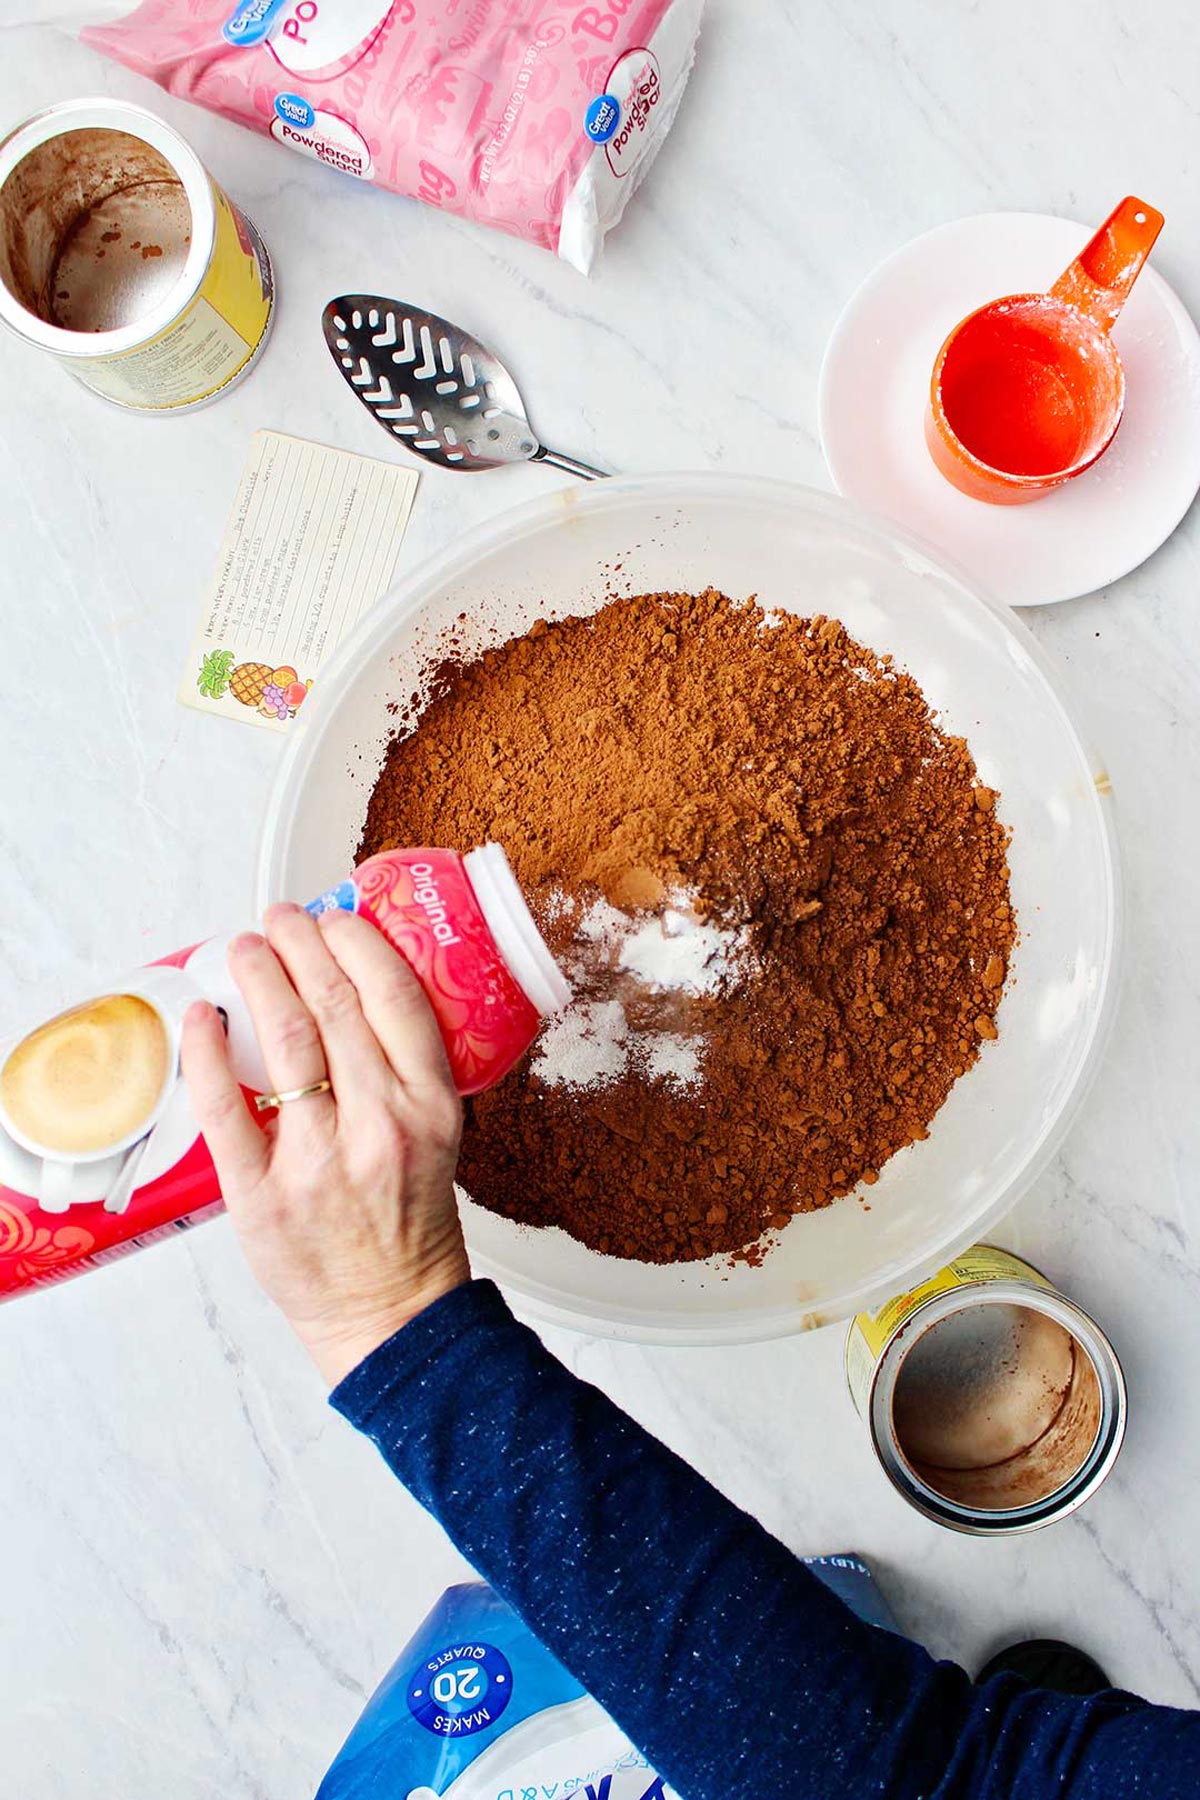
x=777 y=781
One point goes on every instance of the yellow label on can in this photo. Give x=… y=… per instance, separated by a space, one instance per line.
x=210 y=342
x=234 y=285
x=870 y=1333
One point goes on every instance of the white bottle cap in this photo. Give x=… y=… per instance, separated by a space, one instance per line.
x=512 y=925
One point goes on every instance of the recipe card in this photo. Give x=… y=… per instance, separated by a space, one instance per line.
x=311 y=544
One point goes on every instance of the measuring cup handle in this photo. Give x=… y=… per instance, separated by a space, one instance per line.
x=1099 y=280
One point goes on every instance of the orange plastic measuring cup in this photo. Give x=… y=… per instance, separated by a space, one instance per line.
x=1027 y=392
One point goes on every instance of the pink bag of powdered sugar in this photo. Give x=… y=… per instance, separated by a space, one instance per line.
x=537 y=116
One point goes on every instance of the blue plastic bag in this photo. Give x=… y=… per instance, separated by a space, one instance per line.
x=477 y=1709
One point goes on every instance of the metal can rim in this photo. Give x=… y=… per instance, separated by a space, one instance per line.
x=100 y=113
x=1079 y=1486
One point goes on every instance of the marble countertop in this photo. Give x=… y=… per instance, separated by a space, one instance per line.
x=205 y=1572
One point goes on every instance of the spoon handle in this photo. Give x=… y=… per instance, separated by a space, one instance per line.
x=557 y=460
x=121 y=1192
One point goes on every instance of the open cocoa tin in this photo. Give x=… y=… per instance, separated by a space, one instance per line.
x=995 y=1404
x=124 y=259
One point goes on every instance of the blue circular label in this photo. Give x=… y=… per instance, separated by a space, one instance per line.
x=602 y=118
x=294 y=109
x=250 y=22
x=462 y=1689
x=342 y=898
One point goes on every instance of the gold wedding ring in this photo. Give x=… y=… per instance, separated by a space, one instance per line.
x=268 y=1102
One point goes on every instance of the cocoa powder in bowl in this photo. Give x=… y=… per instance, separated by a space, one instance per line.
x=832 y=871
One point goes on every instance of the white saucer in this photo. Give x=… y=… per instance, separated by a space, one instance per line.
x=875 y=384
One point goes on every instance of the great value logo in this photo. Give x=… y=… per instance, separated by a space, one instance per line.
x=602 y=118
x=251 y=22
x=293 y=109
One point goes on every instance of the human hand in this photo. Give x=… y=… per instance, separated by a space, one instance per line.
x=344 y=1204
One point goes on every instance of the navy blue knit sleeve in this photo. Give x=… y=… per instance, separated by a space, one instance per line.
x=736 y=1672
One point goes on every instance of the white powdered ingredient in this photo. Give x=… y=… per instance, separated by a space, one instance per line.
x=678 y=951
x=672 y=952
x=583 y=1047
x=602 y=923
x=669 y=1056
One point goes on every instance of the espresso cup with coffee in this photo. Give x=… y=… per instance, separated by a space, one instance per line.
x=84 y=1087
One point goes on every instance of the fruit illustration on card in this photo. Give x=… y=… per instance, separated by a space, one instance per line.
x=250 y=681
x=283 y=693
x=215 y=670
x=275 y=693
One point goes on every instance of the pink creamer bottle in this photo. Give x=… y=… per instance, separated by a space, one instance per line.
x=462 y=924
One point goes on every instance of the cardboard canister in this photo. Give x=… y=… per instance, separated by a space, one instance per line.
x=123 y=258
x=995 y=1404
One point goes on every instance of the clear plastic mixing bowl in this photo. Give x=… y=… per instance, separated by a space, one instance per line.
x=803 y=552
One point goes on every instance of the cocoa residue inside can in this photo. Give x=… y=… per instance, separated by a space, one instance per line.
x=996 y=1407
x=95 y=229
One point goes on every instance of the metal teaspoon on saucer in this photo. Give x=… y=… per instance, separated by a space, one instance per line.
x=438 y=390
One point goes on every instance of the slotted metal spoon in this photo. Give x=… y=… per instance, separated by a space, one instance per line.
x=436 y=389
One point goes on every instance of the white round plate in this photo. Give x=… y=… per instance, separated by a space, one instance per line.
x=875 y=385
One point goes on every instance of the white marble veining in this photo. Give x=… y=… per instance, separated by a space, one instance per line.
x=204 y=1571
